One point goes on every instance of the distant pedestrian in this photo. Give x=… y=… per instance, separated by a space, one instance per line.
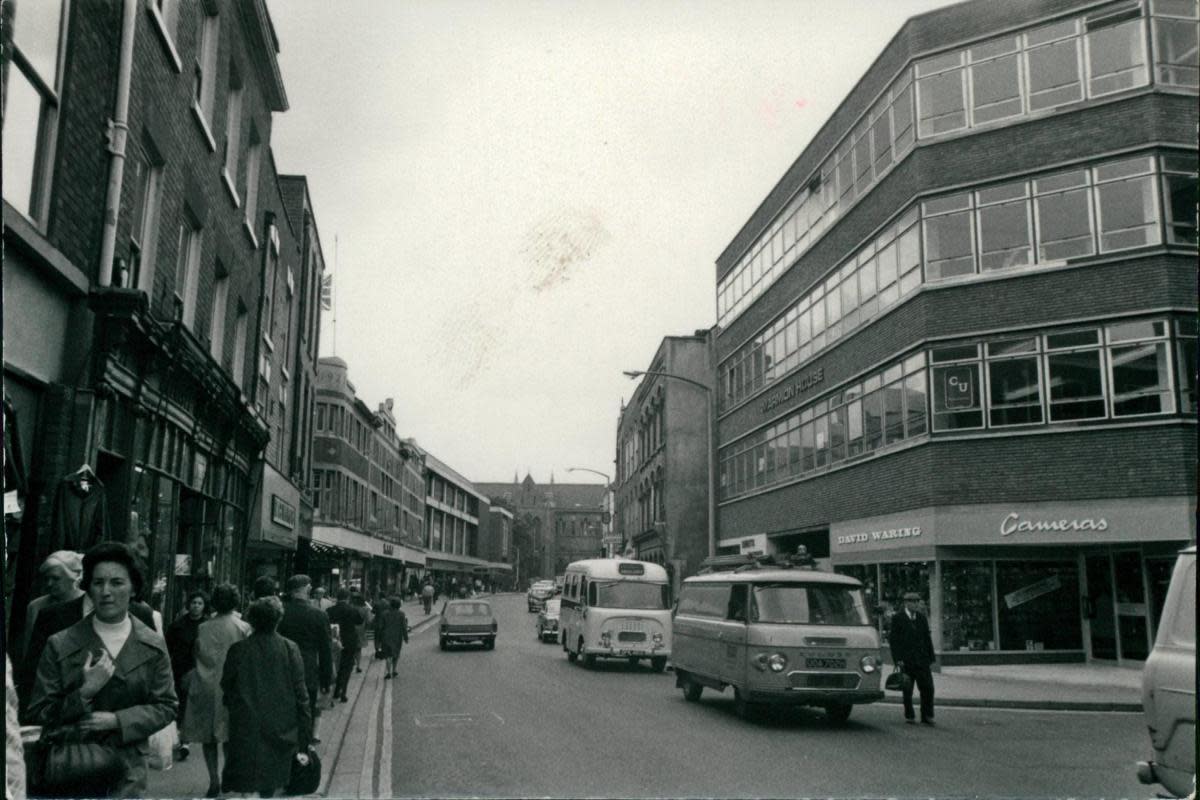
x=207 y=719
x=270 y=718
x=391 y=632
x=348 y=618
x=181 y=644
x=265 y=586
x=368 y=612
x=912 y=652
x=308 y=627
x=427 y=593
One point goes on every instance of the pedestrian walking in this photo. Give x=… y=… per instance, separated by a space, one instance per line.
x=368 y=612
x=267 y=695
x=181 y=645
x=912 y=652
x=207 y=720
x=264 y=586
x=75 y=685
x=427 y=594
x=308 y=627
x=348 y=618
x=391 y=632
x=60 y=573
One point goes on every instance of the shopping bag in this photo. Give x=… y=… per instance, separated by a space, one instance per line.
x=162 y=742
x=306 y=773
x=898 y=681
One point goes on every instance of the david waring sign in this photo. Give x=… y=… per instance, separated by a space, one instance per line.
x=794 y=388
x=1014 y=524
x=878 y=536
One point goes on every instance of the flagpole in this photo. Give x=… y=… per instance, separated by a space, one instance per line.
x=333 y=298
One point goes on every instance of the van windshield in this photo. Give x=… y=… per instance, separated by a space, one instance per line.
x=631 y=594
x=809 y=604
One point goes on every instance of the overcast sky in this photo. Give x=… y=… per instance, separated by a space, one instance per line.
x=527 y=196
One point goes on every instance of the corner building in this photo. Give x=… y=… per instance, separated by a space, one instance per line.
x=957 y=341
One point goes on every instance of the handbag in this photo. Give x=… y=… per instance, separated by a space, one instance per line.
x=306 y=773
x=162 y=743
x=73 y=765
x=898 y=681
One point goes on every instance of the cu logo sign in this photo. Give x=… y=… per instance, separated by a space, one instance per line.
x=958 y=385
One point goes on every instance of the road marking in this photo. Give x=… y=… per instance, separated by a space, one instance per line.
x=385 y=745
x=365 y=778
x=443 y=720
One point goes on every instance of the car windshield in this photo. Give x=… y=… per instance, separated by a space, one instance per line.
x=632 y=594
x=468 y=610
x=552 y=607
x=809 y=603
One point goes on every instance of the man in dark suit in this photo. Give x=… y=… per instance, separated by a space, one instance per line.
x=308 y=627
x=912 y=651
x=347 y=618
x=58 y=617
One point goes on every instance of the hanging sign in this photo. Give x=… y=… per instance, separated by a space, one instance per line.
x=1024 y=595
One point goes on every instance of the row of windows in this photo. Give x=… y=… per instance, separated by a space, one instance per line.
x=451 y=495
x=995 y=82
x=645 y=441
x=1043 y=222
x=450 y=534
x=1122 y=370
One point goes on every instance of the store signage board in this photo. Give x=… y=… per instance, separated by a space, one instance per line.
x=282 y=512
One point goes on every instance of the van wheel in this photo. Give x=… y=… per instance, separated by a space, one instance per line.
x=658 y=663
x=589 y=659
x=838 y=712
x=743 y=707
x=442 y=643
x=691 y=690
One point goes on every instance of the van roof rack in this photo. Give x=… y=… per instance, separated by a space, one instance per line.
x=745 y=562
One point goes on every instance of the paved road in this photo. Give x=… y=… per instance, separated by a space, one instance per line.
x=522 y=721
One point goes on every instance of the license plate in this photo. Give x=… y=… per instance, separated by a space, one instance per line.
x=825 y=663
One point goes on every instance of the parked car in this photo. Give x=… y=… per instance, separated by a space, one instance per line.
x=468 y=621
x=538 y=594
x=547 y=621
x=1169 y=686
x=558 y=583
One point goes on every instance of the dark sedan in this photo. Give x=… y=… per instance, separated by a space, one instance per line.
x=467 y=621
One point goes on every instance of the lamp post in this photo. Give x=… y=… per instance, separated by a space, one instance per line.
x=710 y=396
x=607 y=499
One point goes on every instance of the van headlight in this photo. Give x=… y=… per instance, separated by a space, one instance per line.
x=777 y=662
x=605 y=639
x=868 y=664
x=657 y=639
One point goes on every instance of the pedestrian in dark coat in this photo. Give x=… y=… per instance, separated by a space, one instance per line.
x=267 y=697
x=108 y=675
x=308 y=627
x=391 y=632
x=348 y=619
x=181 y=645
x=912 y=652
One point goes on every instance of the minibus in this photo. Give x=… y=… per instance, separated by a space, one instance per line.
x=616 y=608
x=779 y=632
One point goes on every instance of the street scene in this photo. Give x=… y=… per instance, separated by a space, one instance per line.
x=604 y=399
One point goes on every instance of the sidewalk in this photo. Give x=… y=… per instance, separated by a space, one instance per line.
x=342 y=755
x=1054 y=687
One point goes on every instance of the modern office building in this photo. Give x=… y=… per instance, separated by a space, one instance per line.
x=956 y=342
x=141 y=214
x=368 y=492
x=457 y=528
x=663 y=439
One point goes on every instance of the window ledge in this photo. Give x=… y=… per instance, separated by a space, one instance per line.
x=287 y=376
x=164 y=36
x=229 y=187
x=198 y=116
x=267 y=341
x=250 y=233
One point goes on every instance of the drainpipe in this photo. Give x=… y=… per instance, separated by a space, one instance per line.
x=118 y=133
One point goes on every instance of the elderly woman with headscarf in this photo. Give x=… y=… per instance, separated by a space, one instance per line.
x=108 y=676
x=60 y=572
x=269 y=715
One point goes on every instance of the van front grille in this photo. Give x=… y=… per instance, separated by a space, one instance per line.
x=823 y=680
x=631 y=636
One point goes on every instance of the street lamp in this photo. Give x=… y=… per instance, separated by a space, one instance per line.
x=708 y=443
x=607 y=496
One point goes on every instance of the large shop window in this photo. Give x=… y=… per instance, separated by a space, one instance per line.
x=1039 y=605
x=967 y=592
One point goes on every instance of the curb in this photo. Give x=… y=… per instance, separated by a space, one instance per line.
x=337 y=737
x=1032 y=705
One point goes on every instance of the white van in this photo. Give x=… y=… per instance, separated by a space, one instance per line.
x=779 y=634
x=616 y=608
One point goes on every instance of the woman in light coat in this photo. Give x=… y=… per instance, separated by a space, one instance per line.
x=269 y=715
x=108 y=676
x=207 y=720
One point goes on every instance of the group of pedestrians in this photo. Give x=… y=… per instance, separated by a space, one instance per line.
x=96 y=665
